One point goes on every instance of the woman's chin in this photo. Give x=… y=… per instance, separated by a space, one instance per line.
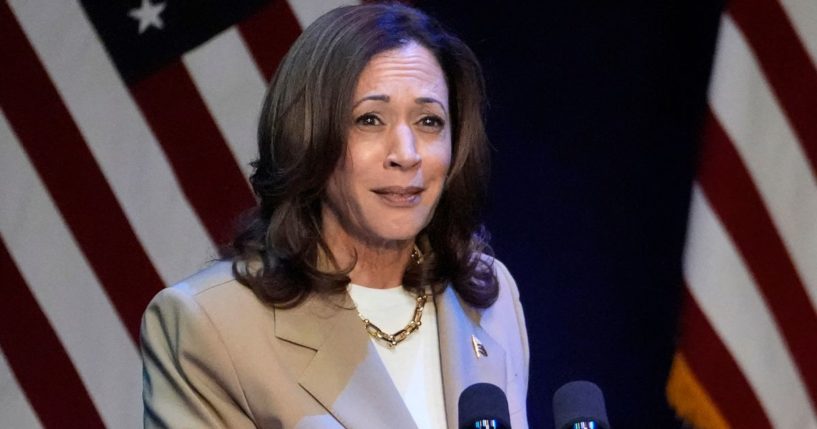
x=398 y=234
x=390 y=227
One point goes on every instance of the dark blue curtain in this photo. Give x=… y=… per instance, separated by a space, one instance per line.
x=594 y=114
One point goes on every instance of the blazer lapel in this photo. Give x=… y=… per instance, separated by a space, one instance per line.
x=462 y=364
x=345 y=375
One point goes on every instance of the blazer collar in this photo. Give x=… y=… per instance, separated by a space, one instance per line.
x=345 y=375
x=458 y=326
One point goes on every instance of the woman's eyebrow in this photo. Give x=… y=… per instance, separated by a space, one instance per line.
x=375 y=97
x=429 y=100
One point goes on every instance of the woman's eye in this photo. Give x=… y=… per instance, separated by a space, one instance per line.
x=432 y=121
x=368 y=120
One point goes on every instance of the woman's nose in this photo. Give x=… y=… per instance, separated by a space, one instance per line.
x=403 y=152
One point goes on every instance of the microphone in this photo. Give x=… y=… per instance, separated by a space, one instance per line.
x=579 y=405
x=484 y=406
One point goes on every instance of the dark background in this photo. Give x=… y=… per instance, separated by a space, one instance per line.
x=594 y=114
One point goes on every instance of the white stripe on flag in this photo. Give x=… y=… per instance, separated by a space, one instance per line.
x=120 y=140
x=743 y=103
x=306 y=11
x=67 y=290
x=233 y=89
x=803 y=17
x=726 y=293
x=15 y=411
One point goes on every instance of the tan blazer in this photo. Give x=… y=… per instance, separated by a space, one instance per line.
x=216 y=356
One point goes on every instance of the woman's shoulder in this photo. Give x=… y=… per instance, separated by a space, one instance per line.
x=214 y=289
x=216 y=274
x=507 y=284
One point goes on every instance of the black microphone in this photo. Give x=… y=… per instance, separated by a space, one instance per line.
x=484 y=406
x=579 y=405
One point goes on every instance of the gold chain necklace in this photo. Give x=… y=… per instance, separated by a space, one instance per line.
x=396 y=338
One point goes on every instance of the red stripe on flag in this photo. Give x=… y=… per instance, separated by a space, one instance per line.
x=68 y=169
x=717 y=370
x=730 y=190
x=36 y=356
x=785 y=63
x=202 y=162
x=269 y=34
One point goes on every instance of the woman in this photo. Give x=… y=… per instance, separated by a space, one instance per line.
x=358 y=295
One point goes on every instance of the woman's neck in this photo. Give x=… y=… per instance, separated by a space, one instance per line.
x=379 y=269
x=377 y=264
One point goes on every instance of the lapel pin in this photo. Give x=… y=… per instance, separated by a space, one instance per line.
x=479 y=349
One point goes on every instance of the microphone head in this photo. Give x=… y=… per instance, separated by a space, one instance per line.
x=577 y=402
x=482 y=402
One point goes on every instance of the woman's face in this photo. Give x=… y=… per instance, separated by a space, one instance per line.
x=398 y=149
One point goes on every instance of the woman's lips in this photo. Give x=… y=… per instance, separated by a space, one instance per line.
x=399 y=196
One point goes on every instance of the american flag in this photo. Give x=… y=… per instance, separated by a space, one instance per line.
x=747 y=356
x=127 y=128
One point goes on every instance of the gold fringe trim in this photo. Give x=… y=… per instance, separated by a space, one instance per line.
x=689 y=398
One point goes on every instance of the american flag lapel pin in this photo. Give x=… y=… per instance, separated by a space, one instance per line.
x=479 y=349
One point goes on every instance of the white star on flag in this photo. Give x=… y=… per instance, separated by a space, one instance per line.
x=148 y=15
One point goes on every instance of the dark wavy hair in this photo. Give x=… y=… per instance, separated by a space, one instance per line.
x=279 y=251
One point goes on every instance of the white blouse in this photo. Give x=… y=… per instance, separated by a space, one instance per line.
x=414 y=364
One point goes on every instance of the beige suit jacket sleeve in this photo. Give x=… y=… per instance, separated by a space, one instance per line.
x=189 y=378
